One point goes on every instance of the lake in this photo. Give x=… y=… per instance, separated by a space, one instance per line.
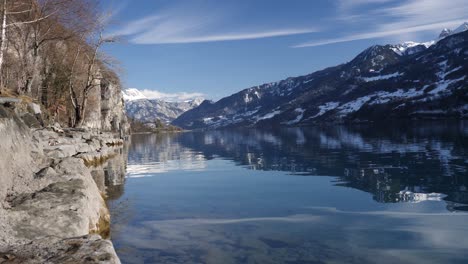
x=394 y=193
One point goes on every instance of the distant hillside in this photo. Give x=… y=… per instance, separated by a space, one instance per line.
x=142 y=109
x=409 y=80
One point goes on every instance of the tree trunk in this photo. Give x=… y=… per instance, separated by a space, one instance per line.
x=3 y=44
x=82 y=111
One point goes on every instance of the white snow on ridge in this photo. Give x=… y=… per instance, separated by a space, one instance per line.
x=400 y=49
x=325 y=108
x=269 y=115
x=453 y=70
x=381 y=77
x=298 y=118
x=442 y=86
x=385 y=97
x=462 y=28
x=353 y=106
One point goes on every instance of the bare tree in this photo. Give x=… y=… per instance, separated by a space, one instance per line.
x=79 y=92
x=11 y=9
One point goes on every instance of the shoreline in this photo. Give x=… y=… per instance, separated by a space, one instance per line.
x=51 y=208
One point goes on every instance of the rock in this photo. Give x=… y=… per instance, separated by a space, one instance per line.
x=9 y=101
x=57 y=129
x=86 y=249
x=49 y=201
x=31 y=121
x=60 y=151
x=35 y=108
x=46 y=172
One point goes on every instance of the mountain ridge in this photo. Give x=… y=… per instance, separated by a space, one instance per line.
x=428 y=82
x=146 y=110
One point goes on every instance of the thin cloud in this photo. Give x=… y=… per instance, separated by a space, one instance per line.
x=150 y=38
x=380 y=34
x=187 y=24
x=392 y=18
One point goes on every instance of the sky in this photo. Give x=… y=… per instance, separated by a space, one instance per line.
x=212 y=49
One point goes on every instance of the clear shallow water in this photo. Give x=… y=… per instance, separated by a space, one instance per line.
x=394 y=194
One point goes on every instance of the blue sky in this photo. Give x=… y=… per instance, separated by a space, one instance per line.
x=214 y=48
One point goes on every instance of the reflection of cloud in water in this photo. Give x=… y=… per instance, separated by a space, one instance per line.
x=360 y=237
x=213 y=221
x=386 y=213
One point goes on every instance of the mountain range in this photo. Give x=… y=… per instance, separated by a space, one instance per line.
x=404 y=81
x=145 y=110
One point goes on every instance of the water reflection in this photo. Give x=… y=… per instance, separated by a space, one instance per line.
x=110 y=176
x=360 y=194
x=395 y=163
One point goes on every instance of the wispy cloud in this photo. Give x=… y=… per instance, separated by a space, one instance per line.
x=152 y=37
x=390 y=18
x=380 y=34
x=193 y=25
x=171 y=97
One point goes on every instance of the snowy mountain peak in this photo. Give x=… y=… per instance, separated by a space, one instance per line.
x=132 y=94
x=462 y=28
x=445 y=33
x=410 y=47
x=196 y=101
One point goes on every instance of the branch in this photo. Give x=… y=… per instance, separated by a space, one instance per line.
x=19 y=12
x=72 y=91
x=32 y=21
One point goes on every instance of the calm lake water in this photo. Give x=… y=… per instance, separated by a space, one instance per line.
x=360 y=194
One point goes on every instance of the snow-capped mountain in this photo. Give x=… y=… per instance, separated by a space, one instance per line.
x=140 y=108
x=409 y=80
x=411 y=47
x=132 y=94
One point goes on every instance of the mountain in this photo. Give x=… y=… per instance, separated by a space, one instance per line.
x=409 y=80
x=140 y=108
x=132 y=94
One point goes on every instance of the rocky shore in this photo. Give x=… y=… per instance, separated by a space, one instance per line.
x=52 y=208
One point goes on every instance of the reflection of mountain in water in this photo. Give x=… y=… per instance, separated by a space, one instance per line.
x=395 y=163
x=151 y=154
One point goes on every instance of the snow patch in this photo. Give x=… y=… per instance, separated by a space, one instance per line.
x=381 y=77
x=325 y=108
x=385 y=97
x=353 y=106
x=298 y=118
x=442 y=86
x=269 y=115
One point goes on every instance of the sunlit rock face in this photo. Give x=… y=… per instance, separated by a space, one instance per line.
x=113 y=116
x=106 y=108
x=404 y=81
x=16 y=163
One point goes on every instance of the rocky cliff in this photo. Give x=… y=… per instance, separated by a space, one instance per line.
x=51 y=208
x=106 y=109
